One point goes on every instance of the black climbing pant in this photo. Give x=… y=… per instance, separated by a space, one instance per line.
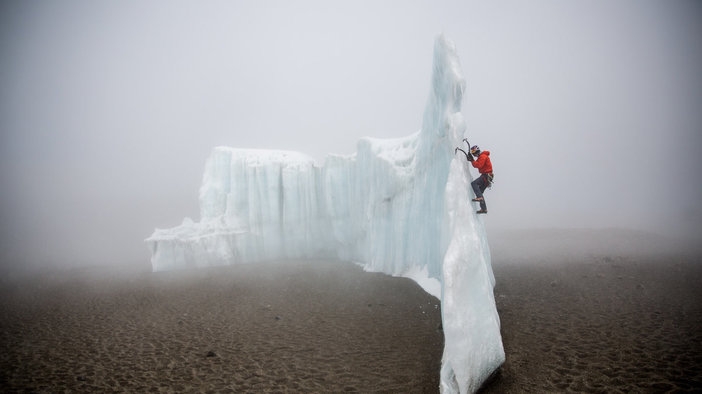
x=479 y=186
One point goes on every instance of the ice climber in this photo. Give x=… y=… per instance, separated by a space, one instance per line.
x=484 y=165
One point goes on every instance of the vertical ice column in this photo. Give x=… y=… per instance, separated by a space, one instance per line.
x=442 y=129
x=216 y=182
x=473 y=346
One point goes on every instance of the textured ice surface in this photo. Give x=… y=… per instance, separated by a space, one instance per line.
x=399 y=206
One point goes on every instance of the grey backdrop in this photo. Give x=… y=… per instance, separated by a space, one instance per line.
x=108 y=110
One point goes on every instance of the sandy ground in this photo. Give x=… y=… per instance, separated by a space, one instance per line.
x=577 y=316
x=598 y=312
x=287 y=327
x=613 y=325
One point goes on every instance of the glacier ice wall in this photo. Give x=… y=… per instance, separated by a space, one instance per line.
x=400 y=206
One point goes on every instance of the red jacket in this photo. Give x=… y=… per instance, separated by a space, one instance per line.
x=483 y=163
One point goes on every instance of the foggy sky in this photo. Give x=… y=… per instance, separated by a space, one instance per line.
x=108 y=110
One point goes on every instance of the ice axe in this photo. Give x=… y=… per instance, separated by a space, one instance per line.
x=468 y=157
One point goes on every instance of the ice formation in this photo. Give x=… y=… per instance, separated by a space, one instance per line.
x=399 y=206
